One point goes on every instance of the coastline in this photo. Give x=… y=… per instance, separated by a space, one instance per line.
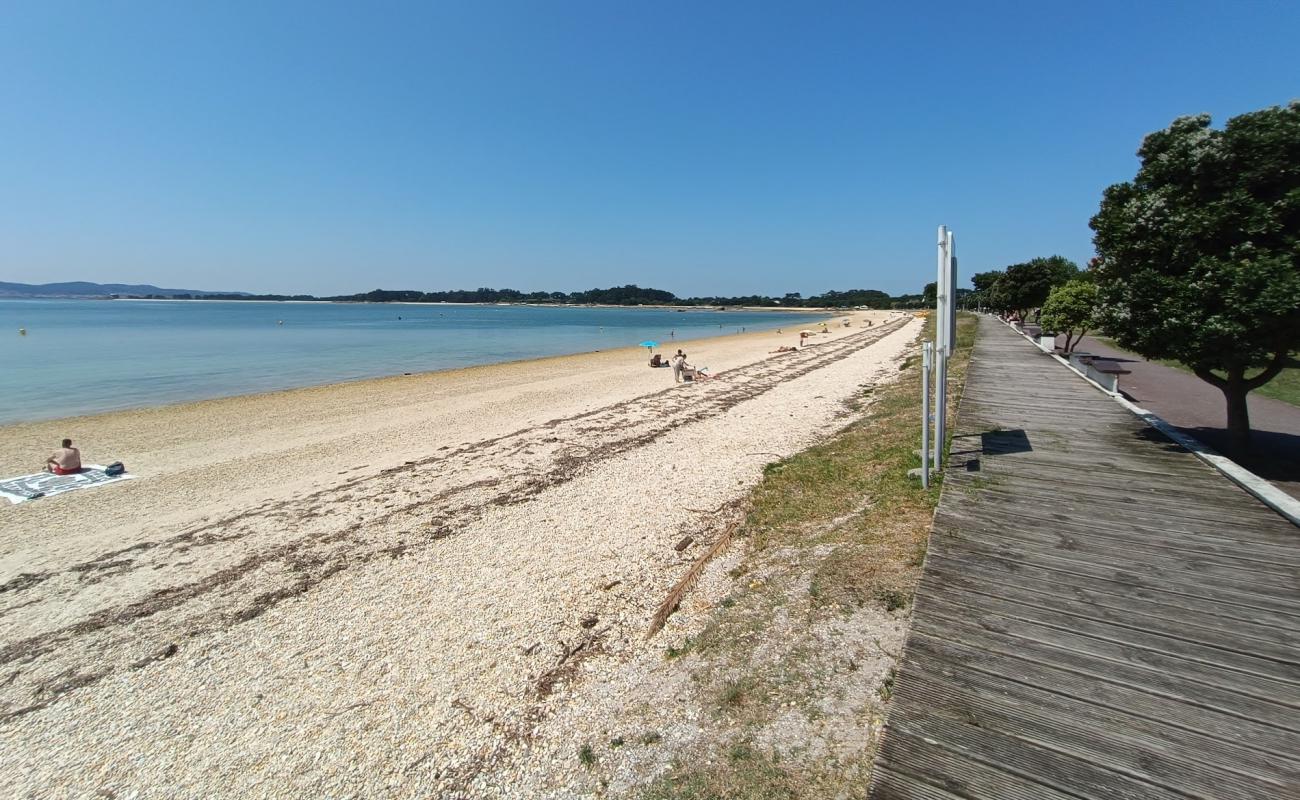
x=99 y=395
x=8 y=430
x=384 y=554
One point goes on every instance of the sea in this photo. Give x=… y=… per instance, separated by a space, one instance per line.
x=89 y=356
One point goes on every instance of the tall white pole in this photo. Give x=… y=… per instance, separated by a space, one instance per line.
x=926 y=349
x=941 y=322
x=952 y=293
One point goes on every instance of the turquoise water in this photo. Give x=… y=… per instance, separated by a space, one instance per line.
x=88 y=356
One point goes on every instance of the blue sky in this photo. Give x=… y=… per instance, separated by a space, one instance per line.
x=699 y=147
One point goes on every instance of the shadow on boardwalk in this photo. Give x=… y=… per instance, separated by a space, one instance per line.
x=1102 y=615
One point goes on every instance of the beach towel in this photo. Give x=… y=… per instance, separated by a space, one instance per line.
x=44 y=484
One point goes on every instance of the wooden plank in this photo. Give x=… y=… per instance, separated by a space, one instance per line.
x=1204 y=686
x=1101 y=615
x=1214 y=542
x=977 y=573
x=1134 y=553
x=1251 y=589
x=1031 y=497
x=926 y=766
x=992 y=764
x=1093 y=732
x=1234 y=598
x=990 y=611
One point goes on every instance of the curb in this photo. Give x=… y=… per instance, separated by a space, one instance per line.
x=1267 y=493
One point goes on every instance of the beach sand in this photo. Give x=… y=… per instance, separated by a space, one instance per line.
x=377 y=588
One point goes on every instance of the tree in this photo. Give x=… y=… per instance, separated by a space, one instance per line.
x=930 y=294
x=1071 y=308
x=983 y=283
x=1059 y=269
x=1020 y=288
x=1200 y=252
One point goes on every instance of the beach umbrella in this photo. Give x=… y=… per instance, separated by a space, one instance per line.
x=810 y=333
x=649 y=344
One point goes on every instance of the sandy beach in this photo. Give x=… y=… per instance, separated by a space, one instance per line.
x=388 y=588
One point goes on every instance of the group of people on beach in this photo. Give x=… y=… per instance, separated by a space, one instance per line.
x=682 y=371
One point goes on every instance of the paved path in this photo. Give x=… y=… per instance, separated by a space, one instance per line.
x=1102 y=615
x=1198 y=408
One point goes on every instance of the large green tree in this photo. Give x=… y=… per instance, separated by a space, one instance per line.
x=1200 y=252
x=1023 y=287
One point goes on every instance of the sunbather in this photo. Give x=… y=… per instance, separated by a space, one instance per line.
x=65 y=461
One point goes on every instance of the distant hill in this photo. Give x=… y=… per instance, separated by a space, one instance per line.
x=87 y=289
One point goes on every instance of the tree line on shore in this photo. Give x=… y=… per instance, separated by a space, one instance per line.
x=630 y=295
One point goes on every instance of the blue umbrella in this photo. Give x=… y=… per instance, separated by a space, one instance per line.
x=648 y=343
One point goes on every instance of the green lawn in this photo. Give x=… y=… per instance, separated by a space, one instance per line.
x=1285 y=387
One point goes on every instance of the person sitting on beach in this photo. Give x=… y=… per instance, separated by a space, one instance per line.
x=656 y=360
x=65 y=461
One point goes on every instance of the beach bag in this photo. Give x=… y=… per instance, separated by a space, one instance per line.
x=116 y=468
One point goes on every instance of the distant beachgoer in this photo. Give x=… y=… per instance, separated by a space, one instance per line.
x=65 y=461
x=679 y=363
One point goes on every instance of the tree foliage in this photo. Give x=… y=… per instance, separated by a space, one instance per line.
x=1199 y=255
x=1021 y=288
x=1071 y=308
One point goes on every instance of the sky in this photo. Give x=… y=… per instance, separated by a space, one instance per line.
x=701 y=147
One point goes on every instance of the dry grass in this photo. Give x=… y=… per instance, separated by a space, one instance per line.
x=835 y=536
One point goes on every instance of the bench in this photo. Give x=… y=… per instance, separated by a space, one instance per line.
x=1105 y=371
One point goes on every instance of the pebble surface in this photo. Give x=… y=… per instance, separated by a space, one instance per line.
x=450 y=627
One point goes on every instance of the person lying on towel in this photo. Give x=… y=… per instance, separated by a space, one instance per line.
x=65 y=461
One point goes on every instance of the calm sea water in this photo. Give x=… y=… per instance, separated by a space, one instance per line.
x=88 y=356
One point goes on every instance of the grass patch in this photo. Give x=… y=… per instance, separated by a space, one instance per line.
x=586 y=757
x=736 y=693
x=750 y=777
x=836 y=529
x=672 y=653
x=886 y=690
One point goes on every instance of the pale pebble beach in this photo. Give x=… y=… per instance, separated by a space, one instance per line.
x=369 y=589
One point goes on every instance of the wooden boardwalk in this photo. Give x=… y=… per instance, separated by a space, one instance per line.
x=1101 y=615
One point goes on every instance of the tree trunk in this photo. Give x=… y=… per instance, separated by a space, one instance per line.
x=1235 y=391
x=1236 y=387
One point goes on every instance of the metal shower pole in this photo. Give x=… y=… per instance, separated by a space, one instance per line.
x=940 y=348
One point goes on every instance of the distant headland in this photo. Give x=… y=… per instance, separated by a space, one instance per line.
x=630 y=295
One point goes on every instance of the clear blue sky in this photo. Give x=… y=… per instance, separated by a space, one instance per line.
x=697 y=147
